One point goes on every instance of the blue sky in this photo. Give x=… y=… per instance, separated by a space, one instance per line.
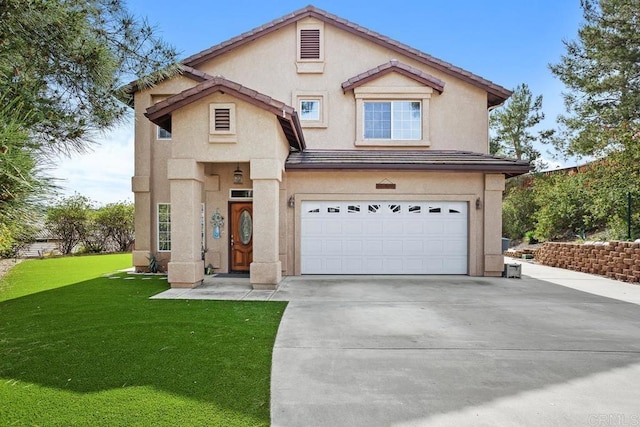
x=506 y=41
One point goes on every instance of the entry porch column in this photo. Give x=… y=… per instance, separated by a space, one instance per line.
x=186 y=268
x=266 y=269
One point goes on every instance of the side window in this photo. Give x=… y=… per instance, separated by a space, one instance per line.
x=164 y=227
x=163 y=133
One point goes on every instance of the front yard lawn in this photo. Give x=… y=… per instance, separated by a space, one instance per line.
x=99 y=352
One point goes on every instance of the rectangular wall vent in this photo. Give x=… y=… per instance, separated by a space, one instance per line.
x=310 y=44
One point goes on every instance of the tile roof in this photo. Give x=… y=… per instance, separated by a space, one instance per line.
x=496 y=93
x=431 y=160
x=194 y=74
x=393 y=66
x=287 y=115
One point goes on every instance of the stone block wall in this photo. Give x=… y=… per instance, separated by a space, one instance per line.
x=617 y=260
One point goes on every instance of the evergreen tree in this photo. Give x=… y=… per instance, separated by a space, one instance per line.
x=601 y=70
x=63 y=67
x=512 y=126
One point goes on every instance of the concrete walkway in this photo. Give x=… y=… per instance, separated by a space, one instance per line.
x=452 y=350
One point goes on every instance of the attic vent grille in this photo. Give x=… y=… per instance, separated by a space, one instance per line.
x=223 y=119
x=310 y=44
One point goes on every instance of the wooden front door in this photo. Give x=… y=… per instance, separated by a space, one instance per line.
x=241 y=236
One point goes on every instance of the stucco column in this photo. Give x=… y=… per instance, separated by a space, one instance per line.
x=186 y=269
x=140 y=184
x=493 y=258
x=266 y=269
x=142 y=222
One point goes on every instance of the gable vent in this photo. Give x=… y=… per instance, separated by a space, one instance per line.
x=310 y=44
x=223 y=119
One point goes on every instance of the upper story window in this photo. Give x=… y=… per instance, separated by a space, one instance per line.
x=163 y=133
x=310 y=46
x=399 y=120
x=392 y=116
x=312 y=108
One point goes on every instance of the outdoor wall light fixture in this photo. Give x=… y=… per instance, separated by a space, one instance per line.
x=238 y=177
x=292 y=202
x=478 y=203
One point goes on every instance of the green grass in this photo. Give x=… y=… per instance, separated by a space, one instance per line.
x=37 y=275
x=99 y=352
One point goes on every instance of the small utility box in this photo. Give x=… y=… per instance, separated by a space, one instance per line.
x=512 y=270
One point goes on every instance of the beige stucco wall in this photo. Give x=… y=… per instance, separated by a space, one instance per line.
x=458 y=115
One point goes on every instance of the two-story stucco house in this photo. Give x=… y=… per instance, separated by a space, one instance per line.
x=312 y=145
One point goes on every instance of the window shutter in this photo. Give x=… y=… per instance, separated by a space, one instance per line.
x=310 y=44
x=223 y=119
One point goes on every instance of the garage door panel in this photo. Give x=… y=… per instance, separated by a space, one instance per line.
x=434 y=227
x=313 y=227
x=353 y=247
x=457 y=265
x=333 y=227
x=392 y=247
x=373 y=247
x=454 y=247
x=393 y=227
x=312 y=247
x=353 y=264
x=454 y=227
x=384 y=237
x=414 y=247
x=372 y=226
x=331 y=264
x=312 y=265
x=393 y=266
x=353 y=228
x=333 y=247
x=414 y=266
x=434 y=247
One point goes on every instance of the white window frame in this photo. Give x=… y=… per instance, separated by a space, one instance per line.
x=366 y=94
x=316 y=110
x=310 y=95
x=161 y=137
x=159 y=235
x=393 y=110
x=203 y=228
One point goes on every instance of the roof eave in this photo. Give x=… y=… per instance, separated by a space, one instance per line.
x=510 y=171
x=160 y=112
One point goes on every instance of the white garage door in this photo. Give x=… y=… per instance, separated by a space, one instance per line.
x=384 y=237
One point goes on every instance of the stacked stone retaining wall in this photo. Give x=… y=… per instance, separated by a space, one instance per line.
x=617 y=260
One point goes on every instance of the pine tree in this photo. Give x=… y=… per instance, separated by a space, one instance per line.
x=601 y=70
x=512 y=126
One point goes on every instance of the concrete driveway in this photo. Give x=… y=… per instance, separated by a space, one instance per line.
x=453 y=351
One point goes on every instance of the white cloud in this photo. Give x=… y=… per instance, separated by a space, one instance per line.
x=103 y=174
x=547 y=164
